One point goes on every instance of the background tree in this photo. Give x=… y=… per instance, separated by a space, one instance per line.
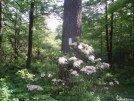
x=1 y=18
x=123 y=31
x=93 y=26
x=109 y=33
x=15 y=29
x=71 y=23
x=31 y=19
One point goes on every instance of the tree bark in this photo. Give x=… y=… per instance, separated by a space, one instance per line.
x=109 y=35
x=31 y=18
x=71 y=23
x=107 y=38
x=111 y=39
x=15 y=40
x=1 y=17
x=132 y=34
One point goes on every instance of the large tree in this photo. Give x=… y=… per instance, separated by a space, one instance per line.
x=109 y=33
x=71 y=23
x=31 y=18
x=1 y=16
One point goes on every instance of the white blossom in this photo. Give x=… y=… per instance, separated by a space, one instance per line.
x=90 y=67
x=54 y=80
x=80 y=46
x=34 y=87
x=74 y=44
x=63 y=83
x=85 y=51
x=85 y=45
x=117 y=82
x=90 y=49
x=49 y=75
x=85 y=48
x=104 y=65
x=97 y=60
x=91 y=58
x=31 y=87
x=59 y=80
x=111 y=83
x=89 y=72
x=39 y=88
x=62 y=60
x=72 y=59
x=75 y=73
x=42 y=74
x=83 y=69
x=77 y=63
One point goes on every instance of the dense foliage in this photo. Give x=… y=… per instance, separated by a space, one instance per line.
x=107 y=25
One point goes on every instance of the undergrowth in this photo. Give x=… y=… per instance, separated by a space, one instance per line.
x=42 y=82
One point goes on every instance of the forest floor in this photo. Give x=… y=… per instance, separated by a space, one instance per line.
x=12 y=85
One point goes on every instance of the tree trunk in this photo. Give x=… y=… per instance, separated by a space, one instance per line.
x=111 y=39
x=132 y=34
x=16 y=41
x=71 y=31
x=107 y=38
x=101 y=45
x=31 y=18
x=71 y=23
x=1 y=17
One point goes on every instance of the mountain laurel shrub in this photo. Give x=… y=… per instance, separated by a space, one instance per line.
x=77 y=75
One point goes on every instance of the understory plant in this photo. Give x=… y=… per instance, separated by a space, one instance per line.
x=77 y=75
x=71 y=79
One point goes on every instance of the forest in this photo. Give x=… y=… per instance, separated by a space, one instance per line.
x=89 y=56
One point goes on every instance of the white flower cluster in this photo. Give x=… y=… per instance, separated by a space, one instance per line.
x=112 y=83
x=88 y=70
x=97 y=60
x=102 y=66
x=34 y=87
x=88 y=51
x=47 y=75
x=72 y=58
x=37 y=87
x=85 y=48
x=55 y=81
x=63 y=60
x=91 y=58
x=74 y=73
x=115 y=80
x=76 y=63
x=42 y=75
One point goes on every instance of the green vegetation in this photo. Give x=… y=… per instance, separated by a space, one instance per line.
x=104 y=70
x=15 y=80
